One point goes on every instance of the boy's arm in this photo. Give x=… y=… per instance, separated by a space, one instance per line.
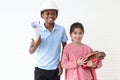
x=59 y=65
x=63 y=45
x=34 y=45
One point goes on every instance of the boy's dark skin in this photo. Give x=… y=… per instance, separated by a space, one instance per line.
x=49 y=24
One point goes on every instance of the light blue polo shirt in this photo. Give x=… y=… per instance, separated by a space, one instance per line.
x=49 y=51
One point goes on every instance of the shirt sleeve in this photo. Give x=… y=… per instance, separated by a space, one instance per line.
x=64 y=36
x=66 y=63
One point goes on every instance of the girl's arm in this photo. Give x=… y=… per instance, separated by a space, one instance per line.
x=65 y=62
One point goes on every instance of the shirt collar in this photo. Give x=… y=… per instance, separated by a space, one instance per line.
x=45 y=29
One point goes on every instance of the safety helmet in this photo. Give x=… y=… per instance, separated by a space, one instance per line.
x=48 y=4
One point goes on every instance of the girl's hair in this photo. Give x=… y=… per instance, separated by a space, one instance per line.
x=76 y=25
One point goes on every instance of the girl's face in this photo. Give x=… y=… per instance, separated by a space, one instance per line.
x=77 y=35
x=49 y=16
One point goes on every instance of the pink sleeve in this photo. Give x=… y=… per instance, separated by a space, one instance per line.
x=99 y=64
x=66 y=63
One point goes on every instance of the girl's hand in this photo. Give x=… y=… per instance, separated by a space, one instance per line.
x=92 y=64
x=81 y=61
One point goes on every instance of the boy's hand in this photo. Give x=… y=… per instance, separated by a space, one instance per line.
x=34 y=45
x=60 y=69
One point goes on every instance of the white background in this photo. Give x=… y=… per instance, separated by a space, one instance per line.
x=101 y=19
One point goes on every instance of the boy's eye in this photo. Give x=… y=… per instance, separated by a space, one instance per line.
x=47 y=13
x=50 y=13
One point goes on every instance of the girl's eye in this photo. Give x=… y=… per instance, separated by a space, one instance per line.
x=75 y=33
x=81 y=33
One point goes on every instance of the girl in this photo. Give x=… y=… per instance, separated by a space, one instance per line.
x=73 y=57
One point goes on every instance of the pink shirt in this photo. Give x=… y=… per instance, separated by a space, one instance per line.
x=72 y=71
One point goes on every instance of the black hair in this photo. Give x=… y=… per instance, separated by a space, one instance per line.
x=76 y=25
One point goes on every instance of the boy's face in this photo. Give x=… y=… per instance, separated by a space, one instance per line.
x=49 y=15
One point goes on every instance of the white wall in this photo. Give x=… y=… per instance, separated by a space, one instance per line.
x=99 y=17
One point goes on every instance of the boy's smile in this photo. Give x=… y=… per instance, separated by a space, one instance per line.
x=49 y=16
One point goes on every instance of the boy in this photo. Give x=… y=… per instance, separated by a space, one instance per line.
x=48 y=45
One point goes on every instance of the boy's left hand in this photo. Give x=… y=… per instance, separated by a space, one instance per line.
x=60 y=69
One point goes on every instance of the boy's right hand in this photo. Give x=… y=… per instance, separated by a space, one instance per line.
x=34 y=45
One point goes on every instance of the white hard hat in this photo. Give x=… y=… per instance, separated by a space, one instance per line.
x=48 y=4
